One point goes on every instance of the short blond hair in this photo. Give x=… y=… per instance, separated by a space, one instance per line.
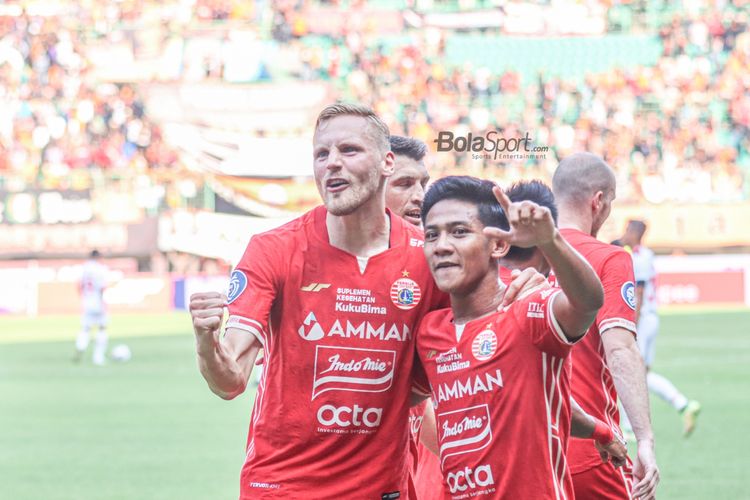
x=378 y=128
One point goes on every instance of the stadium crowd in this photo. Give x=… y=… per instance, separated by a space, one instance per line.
x=677 y=131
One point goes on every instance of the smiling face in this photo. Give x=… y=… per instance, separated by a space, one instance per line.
x=350 y=168
x=404 y=193
x=460 y=256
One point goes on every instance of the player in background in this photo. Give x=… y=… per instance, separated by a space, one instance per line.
x=91 y=288
x=608 y=444
x=647 y=319
x=607 y=363
x=333 y=298
x=499 y=387
x=404 y=195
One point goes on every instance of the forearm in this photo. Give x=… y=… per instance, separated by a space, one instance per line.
x=629 y=375
x=224 y=375
x=574 y=275
x=582 y=424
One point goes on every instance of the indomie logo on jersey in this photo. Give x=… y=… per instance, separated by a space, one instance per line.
x=311 y=329
x=484 y=345
x=405 y=293
x=464 y=431
x=237 y=285
x=351 y=369
x=470 y=386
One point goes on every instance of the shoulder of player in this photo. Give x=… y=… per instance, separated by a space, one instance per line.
x=411 y=236
x=437 y=317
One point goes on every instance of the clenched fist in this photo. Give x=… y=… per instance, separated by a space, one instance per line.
x=207 y=312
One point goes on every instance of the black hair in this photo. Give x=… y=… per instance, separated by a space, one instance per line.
x=539 y=193
x=469 y=189
x=95 y=254
x=409 y=147
x=638 y=226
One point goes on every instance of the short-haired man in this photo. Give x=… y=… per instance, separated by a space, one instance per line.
x=607 y=364
x=499 y=386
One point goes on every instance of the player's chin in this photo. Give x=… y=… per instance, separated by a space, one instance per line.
x=341 y=205
x=447 y=279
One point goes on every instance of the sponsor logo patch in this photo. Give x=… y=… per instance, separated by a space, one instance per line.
x=468 y=478
x=484 y=345
x=628 y=294
x=352 y=369
x=470 y=386
x=315 y=287
x=311 y=330
x=345 y=416
x=536 y=310
x=237 y=285
x=464 y=431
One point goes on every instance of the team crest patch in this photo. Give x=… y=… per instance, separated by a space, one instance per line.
x=405 y=293
x=237 y=285
x=484 y=345
x=628 y=294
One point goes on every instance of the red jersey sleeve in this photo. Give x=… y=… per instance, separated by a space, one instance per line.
x=619 y=293
x=419 y=381
x=536 y=318
x=253 y=287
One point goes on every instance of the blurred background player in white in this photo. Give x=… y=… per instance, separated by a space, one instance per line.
x=92 y=285
x=647 y=319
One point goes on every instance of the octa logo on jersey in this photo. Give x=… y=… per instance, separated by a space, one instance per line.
x=470 y=478
x=330 y=415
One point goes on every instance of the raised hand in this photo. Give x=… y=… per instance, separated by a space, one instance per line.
x=530 y=224
x=207 y=313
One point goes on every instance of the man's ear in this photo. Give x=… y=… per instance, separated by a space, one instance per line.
x=597 y=200
x=388 y=165
x=500 y=248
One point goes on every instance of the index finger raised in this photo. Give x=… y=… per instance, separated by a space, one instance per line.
x=501 y=198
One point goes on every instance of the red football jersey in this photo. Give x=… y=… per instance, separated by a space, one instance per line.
x=502 y=400
x=416 y=416
x=592 y=382
x=426 y=479
x=330 y=418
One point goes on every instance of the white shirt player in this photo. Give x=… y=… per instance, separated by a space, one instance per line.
x=93 y=283
x=645 y=272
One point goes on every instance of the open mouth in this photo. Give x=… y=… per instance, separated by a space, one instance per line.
x=415 y=214
x=336 y=185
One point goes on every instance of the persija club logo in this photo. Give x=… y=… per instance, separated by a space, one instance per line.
x=352 y=369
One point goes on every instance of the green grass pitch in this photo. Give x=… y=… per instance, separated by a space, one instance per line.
x=151 y=429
